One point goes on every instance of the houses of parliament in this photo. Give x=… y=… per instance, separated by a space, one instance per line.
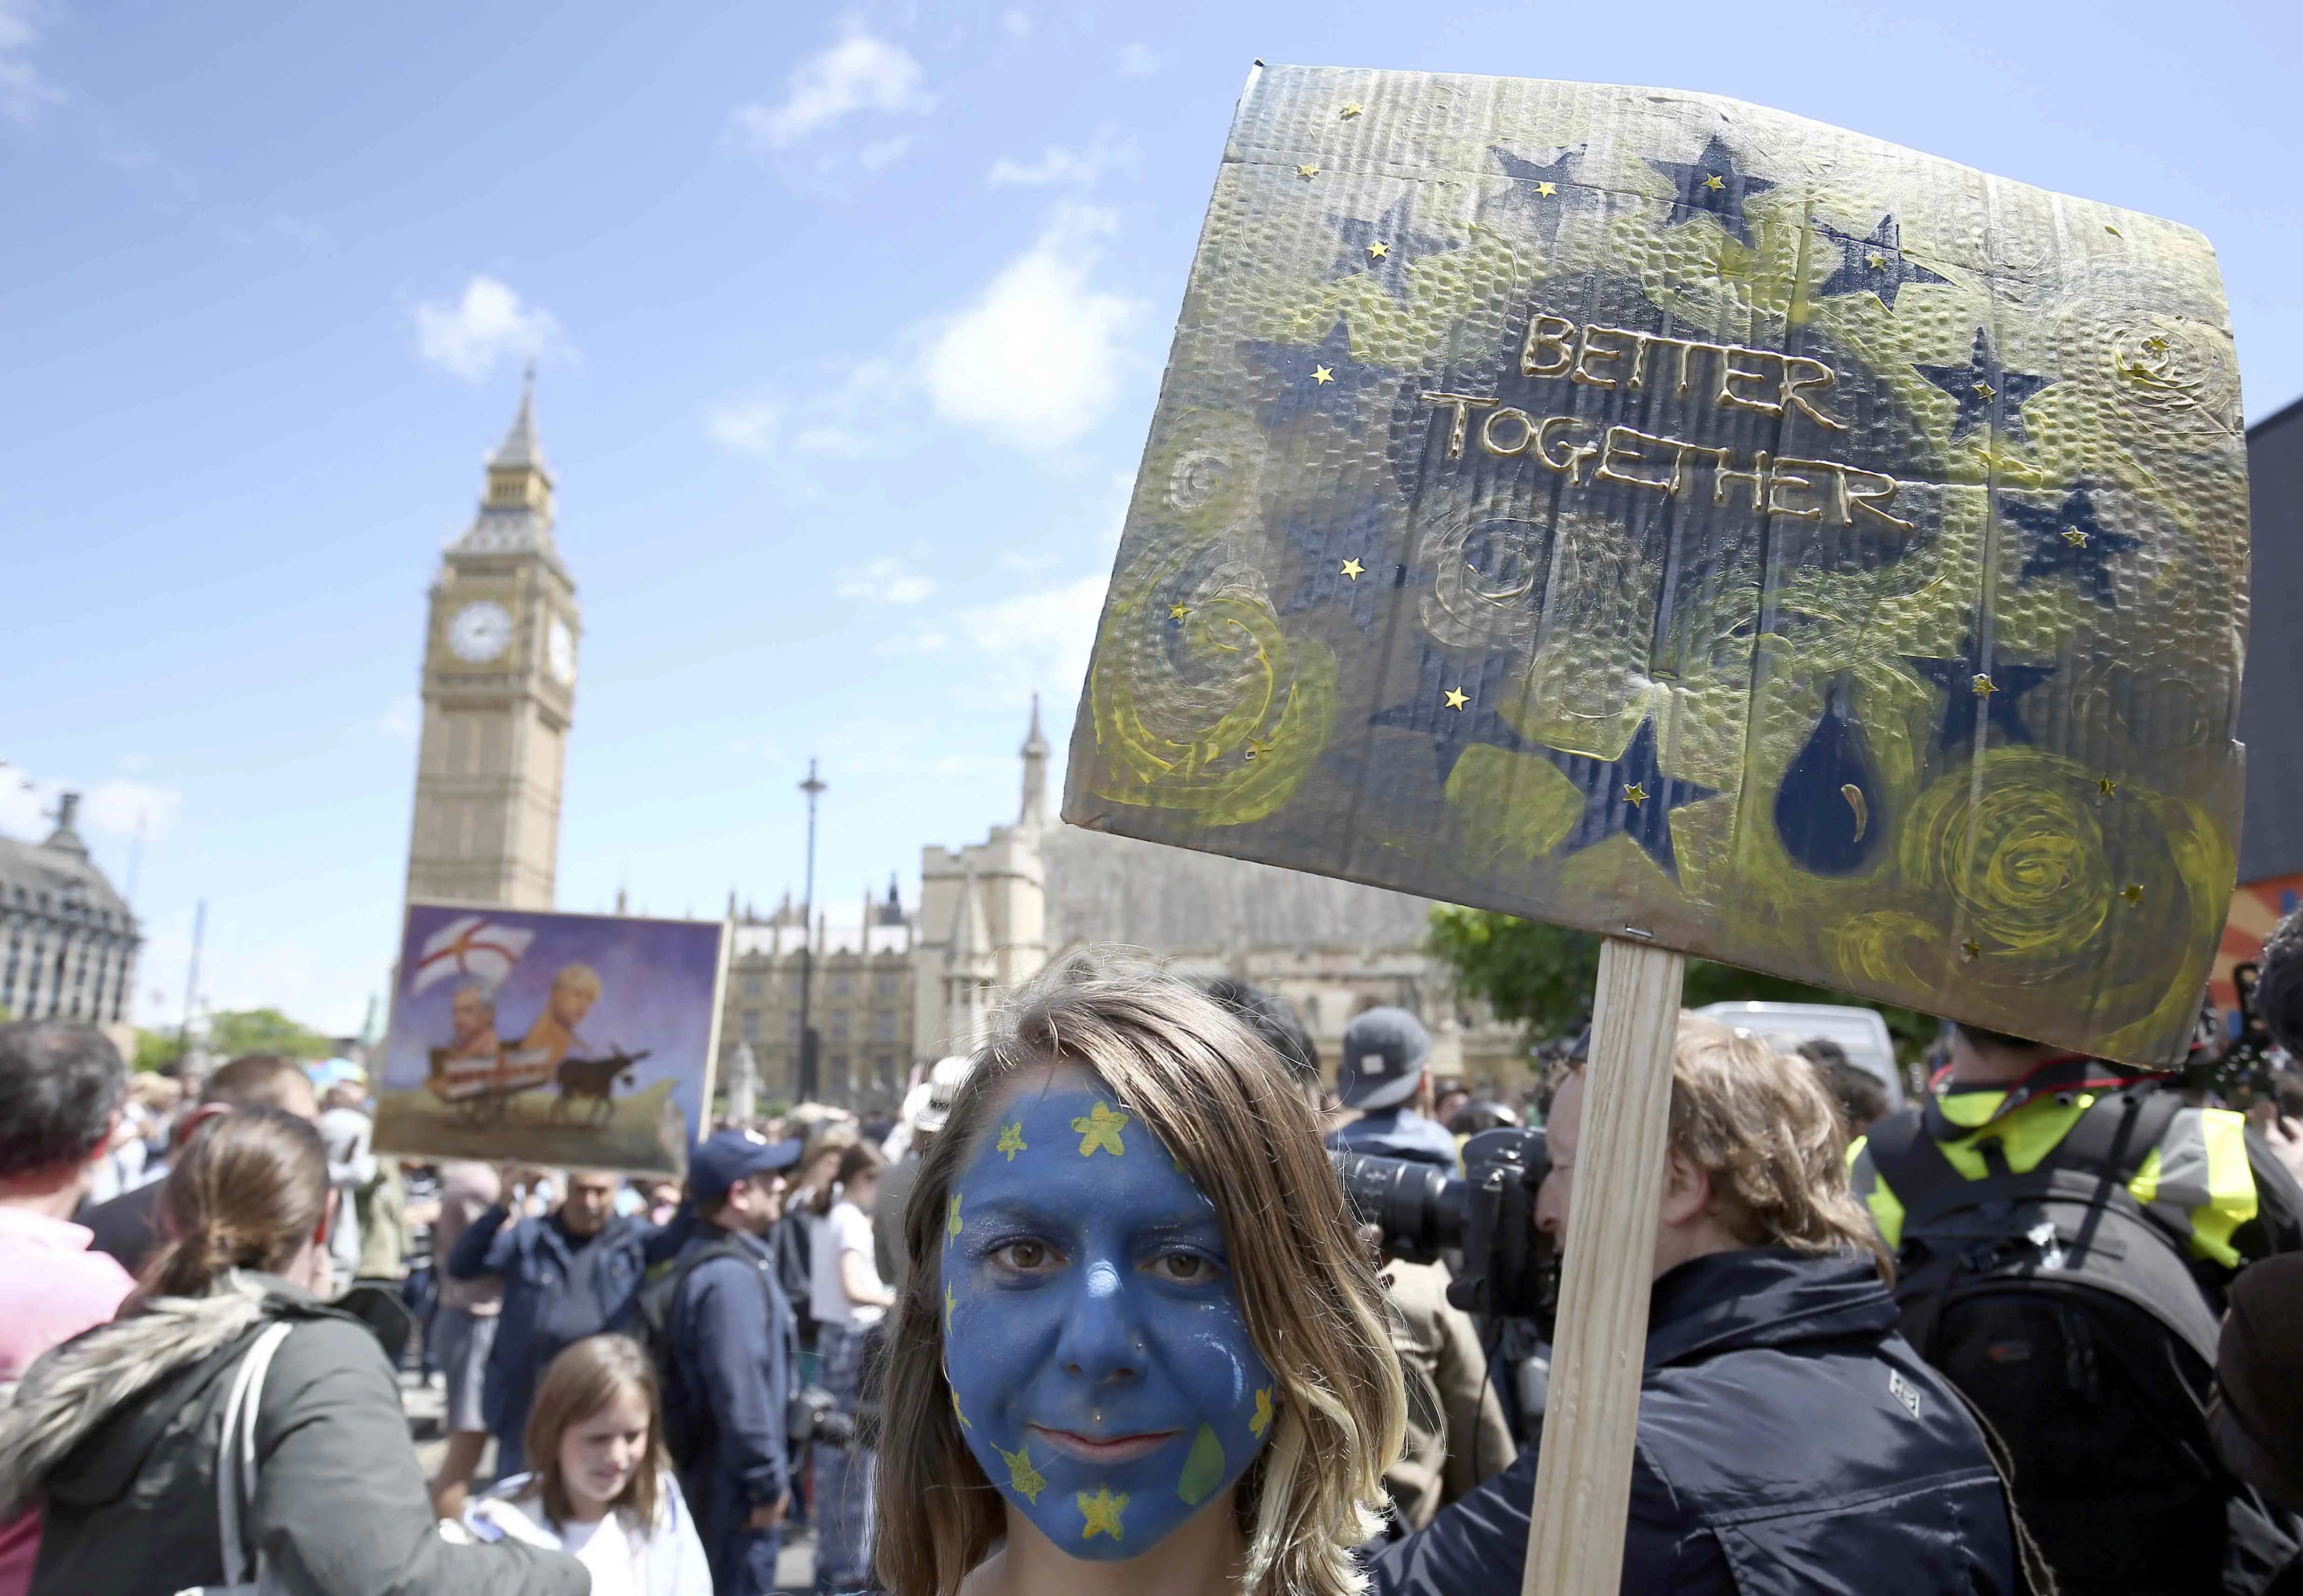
x=903 y=983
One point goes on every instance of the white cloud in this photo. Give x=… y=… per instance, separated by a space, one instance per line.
x=1138 y=61
x=1035 y=360
x=753 y=427
x=24 y=93
x=107 y=809
x=1015 y=23
x=832 y=419
x=887 y=580
x=859 y=73
x=468 y=337
x=403 y=717
x=1041 y=641
x=1058 y=164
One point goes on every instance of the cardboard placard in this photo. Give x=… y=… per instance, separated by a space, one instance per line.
x=571 y=1041
x=1667 y=517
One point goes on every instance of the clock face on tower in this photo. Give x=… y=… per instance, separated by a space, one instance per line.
x=480 y=632
x=560 y=652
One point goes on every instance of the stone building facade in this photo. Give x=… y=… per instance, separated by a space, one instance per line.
x=860 y=1003
x=68 y=941
x=499 y=694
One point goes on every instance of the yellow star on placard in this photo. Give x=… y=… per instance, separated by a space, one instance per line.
x=951 y=1222
x=1011 y=1141
x=1177 y=612
x=2156 y=344
x=1378 y=249
x=2075 y=537
x=2132 y=891
x=955 y=1413
x=1022 y=1479
x=1352 y=110
x=1635 y=794
x=1354 y=569
x=1262 y=1422
x=1101 y=1129
x=1103 y=1510
x=1984 y=686
x=1876 y=261
x=1307 y=170
x=2106 y=786
x=1547 y=190
x=1971 y=949
x=1985 y=391
x=1456 y=698
x=1323 y=373
x=950 y=1302
x=1715 y=181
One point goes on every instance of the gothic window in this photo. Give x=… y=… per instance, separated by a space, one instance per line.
x=792 y=1026
x=840 y=1027
x=751 y=987
x=751 y=1025
x=791 y=985
x=883 y=1026
x=842 y=985
x=884 y=984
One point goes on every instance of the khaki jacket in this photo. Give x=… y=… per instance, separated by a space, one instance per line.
x=1456 y=1435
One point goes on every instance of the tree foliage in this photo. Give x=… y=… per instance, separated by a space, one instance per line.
x=236 y=1031
x=157 y=1050
x=1544 y=975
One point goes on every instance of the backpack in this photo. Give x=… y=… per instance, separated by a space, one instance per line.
x=2071 y=1319
x=651 y=1326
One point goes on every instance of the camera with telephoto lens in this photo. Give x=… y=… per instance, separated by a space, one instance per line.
x=1487 y=1216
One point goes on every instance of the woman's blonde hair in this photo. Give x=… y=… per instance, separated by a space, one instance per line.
x=1761 y=1124
x=579 y=1382
x=1222 y=1104
x=247 y=1191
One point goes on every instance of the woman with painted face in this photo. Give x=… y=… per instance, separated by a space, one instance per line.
x=1136 y=1330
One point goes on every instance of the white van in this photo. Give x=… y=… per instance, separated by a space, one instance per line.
x=1860 y=1032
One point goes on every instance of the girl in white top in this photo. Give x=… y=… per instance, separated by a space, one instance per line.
x=847 y=1299
x=602 y=1489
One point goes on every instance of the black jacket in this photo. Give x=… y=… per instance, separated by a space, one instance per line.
x=735 y=1364
x=1789 y=1441
x=115 y=1434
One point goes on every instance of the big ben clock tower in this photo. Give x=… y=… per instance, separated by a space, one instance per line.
x=499 y=694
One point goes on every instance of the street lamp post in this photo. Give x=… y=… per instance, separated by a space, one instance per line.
x=807 y=1077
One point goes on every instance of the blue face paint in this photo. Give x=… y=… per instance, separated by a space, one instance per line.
x=1100 y=1363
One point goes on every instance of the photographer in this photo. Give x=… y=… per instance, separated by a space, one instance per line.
x=1789 y=1440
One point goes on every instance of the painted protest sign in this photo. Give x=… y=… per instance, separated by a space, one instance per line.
x=1659 y=515
x=581 y=1041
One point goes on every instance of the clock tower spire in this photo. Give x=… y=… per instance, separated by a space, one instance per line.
x=498 y=692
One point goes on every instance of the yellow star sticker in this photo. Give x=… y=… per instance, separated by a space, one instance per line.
x=1985 y=391
x=2156 y=344
x=1456 y=698
x=1378 y=249
x=1970 y=949
x=1635 y=794
x=950 y=1302
x=2132 y=891
x=1177 y=612
x=1011 y=1141
x=1714 y=182
x=1354 y=569
x=1984 y=686
x=1022 y=1479
x=2106 y=786
x=1876 y=261
x=1322 y=374
x=2075 y=537
x=1103 y=1511
x=1101 y=1129
x=1262 y=1422
x=955 y=1413
x=1307 y=170
x=951 y=1222
x=1547 y=190
x=1352 y=110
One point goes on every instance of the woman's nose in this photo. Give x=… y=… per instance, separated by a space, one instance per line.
x=1101 y=1340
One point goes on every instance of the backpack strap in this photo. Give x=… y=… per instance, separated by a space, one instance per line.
x=1909 y=1161
x=236 y=1470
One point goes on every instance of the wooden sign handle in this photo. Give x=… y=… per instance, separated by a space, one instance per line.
x=1584 y=1476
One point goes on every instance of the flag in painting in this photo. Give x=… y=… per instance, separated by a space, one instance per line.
x=471 y=945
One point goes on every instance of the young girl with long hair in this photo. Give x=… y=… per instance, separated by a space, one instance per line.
x=848 y=1301
x=1139 y=1342
x=602 y=1487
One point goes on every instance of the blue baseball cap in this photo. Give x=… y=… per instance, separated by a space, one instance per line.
x=1384 y=1053
x=726 y=1156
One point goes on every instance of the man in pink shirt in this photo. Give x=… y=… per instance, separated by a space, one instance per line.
x=61 y=1086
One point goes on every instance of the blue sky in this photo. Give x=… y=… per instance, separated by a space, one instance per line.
x=850 y=320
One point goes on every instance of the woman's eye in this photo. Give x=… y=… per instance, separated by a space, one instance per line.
x=1183 y=1268
x=1025 y=1255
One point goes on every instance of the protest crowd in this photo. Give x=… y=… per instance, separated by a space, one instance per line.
x=1859 y=1373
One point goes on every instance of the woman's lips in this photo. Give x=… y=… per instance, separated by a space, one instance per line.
x=1109 y=1450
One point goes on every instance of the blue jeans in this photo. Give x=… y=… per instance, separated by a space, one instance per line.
x=843 y=1474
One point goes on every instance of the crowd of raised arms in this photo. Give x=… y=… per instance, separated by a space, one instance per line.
x=1143 y=1282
